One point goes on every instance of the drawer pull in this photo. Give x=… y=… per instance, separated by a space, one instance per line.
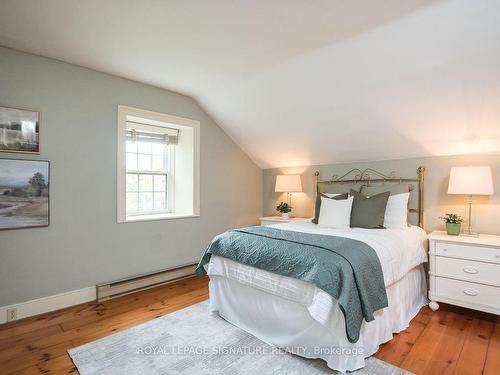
x=470 y=270
x=470 y=292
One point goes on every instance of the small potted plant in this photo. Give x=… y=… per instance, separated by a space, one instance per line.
x=453 y=223
x=284 y=209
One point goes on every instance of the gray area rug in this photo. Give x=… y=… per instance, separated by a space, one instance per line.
x=192 y=341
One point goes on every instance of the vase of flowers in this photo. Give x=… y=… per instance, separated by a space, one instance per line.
x=284 y=209
x=453 y=224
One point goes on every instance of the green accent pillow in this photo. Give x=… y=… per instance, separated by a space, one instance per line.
x=368 y=212
x=318 y=204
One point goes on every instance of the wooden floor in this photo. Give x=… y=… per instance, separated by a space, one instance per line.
x=451 y=340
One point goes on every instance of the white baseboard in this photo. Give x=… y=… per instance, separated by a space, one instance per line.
x=49 y=303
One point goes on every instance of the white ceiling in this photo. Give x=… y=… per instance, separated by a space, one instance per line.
x=296 y=82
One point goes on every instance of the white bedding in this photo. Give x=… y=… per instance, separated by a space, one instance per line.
x=399 y=250
x=260 y=301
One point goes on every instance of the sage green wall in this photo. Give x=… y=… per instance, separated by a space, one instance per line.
x=486 y=210
x=84 y=245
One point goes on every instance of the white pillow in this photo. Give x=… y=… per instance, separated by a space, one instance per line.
x=331 y=195
x=335 y=213
x=396 y=211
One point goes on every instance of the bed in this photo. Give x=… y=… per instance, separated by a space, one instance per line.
x=302 y=318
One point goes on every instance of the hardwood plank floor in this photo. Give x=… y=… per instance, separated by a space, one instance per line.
x=449 y=341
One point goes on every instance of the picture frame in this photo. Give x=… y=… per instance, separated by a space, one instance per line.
x=24 y=193
x=19 y=130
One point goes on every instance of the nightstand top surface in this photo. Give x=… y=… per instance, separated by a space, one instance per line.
x=278 y=219
x=483 y=239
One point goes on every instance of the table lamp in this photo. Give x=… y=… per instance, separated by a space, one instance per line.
x=288 y=183
x=470 y=181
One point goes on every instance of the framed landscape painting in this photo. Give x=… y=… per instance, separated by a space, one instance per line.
x=19 y=130
x=24 y=193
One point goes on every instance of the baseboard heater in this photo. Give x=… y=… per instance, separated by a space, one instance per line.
x=137 y=283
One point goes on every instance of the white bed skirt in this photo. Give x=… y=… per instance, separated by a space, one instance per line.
x=290 y=325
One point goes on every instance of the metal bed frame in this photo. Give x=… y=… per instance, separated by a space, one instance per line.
x=369 y=177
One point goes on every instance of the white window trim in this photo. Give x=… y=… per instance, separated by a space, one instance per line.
x=157 y=119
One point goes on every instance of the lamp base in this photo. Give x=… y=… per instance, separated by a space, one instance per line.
x=468 y=232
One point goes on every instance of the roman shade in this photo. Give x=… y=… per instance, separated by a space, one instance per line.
x=137 y=132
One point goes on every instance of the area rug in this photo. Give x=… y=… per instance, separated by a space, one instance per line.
x=193 y=342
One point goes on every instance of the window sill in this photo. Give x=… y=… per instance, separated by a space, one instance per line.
x=154 y=217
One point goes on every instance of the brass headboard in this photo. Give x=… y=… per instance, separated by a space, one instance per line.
x=370 y=176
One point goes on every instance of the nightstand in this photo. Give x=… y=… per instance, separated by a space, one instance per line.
x=465 y=271
x=271 y=220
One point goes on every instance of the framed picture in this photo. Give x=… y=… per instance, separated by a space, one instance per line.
x=24 y=193
x=19 y=130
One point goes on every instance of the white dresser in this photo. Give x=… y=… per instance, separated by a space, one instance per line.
x=465 y=271
x=271 y=220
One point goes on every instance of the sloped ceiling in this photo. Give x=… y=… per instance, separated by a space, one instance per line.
x=296 y=82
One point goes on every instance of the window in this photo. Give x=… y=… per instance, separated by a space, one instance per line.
x=158 y=166
x=150 y=171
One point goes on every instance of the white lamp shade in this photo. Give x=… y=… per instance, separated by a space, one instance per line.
x=471 y=181
x=288 y=183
